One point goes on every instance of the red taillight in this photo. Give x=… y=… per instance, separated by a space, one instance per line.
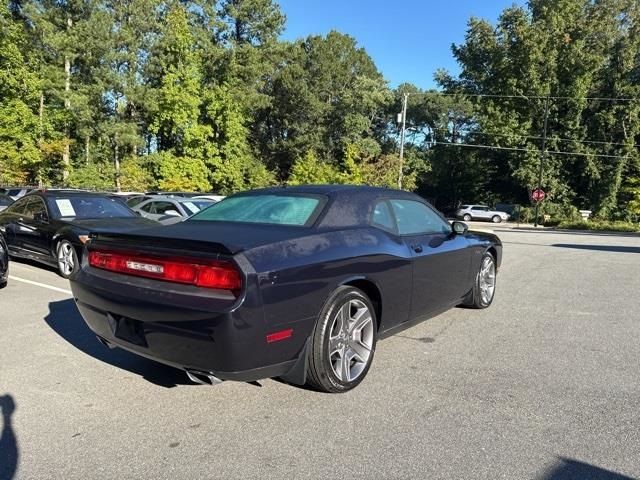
x=208 y=274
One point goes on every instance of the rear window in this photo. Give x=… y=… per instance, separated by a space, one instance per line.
x=88 y=207
x=300 y=210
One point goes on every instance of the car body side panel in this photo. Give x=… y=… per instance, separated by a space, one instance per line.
x=298 y=275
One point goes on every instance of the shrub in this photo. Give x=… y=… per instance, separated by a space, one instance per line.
x=601 y=226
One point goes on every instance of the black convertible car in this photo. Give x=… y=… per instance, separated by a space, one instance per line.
x=51 y=226
x=297 y=283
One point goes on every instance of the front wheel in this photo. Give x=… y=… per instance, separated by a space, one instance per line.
x=484 y=288
x=496 y=219
x=466 y=217
x=67 y=259
x=343 y=342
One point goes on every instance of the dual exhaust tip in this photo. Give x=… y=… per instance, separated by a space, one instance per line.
x=201 y=378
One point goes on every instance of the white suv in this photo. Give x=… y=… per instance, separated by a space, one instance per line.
x=481 y=212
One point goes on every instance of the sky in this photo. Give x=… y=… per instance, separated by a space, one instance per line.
x=408 y=39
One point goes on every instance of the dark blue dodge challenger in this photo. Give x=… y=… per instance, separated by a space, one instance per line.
x=295 y=282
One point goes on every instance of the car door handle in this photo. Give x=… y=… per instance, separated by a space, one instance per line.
x=416 y=248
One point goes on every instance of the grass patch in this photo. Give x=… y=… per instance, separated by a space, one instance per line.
x=600 y=226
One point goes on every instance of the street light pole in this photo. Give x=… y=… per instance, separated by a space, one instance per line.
x=403 y=122
x=542 y=156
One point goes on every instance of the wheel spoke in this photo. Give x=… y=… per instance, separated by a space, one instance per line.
x=360 y=350
x=360 y=319
x=345 y=366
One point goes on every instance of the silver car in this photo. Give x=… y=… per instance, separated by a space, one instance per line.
x=481 y=212
x=169 y=210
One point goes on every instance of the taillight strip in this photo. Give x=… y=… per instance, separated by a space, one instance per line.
x=216 y=274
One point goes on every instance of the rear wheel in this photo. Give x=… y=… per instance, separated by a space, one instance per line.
x=343 y=342
x=496 y=219
x=466 y=217
x=67 y=259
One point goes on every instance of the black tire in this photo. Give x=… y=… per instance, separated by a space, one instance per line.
x=321 y=374
x=72 y=258
x=477 y=299
x=496 y=219
x=466 y=217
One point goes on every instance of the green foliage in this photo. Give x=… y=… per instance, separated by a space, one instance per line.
x=95 y=176
x=179 y=173
x=308 y=169
x=135 y=175
x=602 y=226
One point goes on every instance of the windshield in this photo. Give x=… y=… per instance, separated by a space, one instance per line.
x=194 y=206
x=88 y=207
x=270 y=209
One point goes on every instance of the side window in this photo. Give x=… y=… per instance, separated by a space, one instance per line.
x=4 y=201
x=35 y=206
x=19 y=206
x=382 y=217
x=416 y=218
x=147 y=208
x=162 y=207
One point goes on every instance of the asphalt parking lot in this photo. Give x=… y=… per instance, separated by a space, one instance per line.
x=544 y=384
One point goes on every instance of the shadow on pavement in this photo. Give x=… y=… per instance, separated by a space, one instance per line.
x=8 y=444
x=567 y=469
x=33 y=263
x=594 y=233
x=601 y=248
x=66 y=321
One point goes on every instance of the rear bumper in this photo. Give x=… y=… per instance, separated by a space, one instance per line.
x=184 y=328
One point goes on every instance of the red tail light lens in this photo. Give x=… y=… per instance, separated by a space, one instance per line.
x=207 y=274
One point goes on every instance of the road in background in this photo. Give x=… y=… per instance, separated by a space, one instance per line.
x=544 y=384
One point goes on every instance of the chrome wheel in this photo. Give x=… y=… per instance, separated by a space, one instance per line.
x=487 y=280
x=66 y=258
x=351 y=340
x=467 y=218
x=496 y=219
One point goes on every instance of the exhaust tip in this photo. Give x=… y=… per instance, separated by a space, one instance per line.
x=202 y=378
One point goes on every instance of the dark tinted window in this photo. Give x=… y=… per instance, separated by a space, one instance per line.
x=276 y=209
x=4 y=200
x=87 y=207
x=382 y=217
x=132 y=202
x=416 y=218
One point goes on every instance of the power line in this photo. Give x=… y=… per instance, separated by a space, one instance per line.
x=532 y=137
x=529 y=150
x=526 y=97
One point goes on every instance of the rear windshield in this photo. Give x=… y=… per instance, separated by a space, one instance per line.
x=274 y=209
x=88 y=207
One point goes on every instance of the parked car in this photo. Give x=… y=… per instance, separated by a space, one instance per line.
x=5 y=201
x=213 y=198
x=136 y=200
x=295 y=282
x=51 y=227
x=481 y=212
x=169 y=210
x=17 y=192
x=4 y=262
x=174 y=194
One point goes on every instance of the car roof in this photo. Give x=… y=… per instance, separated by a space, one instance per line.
x=322 y=189
x=66 y=193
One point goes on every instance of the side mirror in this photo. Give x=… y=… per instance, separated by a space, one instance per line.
x=41 y=217
x=459 y=228
x=172 y=213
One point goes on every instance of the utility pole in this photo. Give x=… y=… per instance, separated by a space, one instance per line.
x=543 y=155
x=403 y=123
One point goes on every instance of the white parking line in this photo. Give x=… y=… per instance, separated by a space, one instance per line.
x=38 y=284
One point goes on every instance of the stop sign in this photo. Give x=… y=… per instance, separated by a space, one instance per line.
x=537 y=195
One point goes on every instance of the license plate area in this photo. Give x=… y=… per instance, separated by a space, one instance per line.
x=127 y=329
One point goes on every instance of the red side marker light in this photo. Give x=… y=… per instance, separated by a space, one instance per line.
x=281 y=335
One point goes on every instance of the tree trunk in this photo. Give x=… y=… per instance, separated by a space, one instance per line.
x=86 y=150
x=116 y=160
x=66 y=154
x=41 y=134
